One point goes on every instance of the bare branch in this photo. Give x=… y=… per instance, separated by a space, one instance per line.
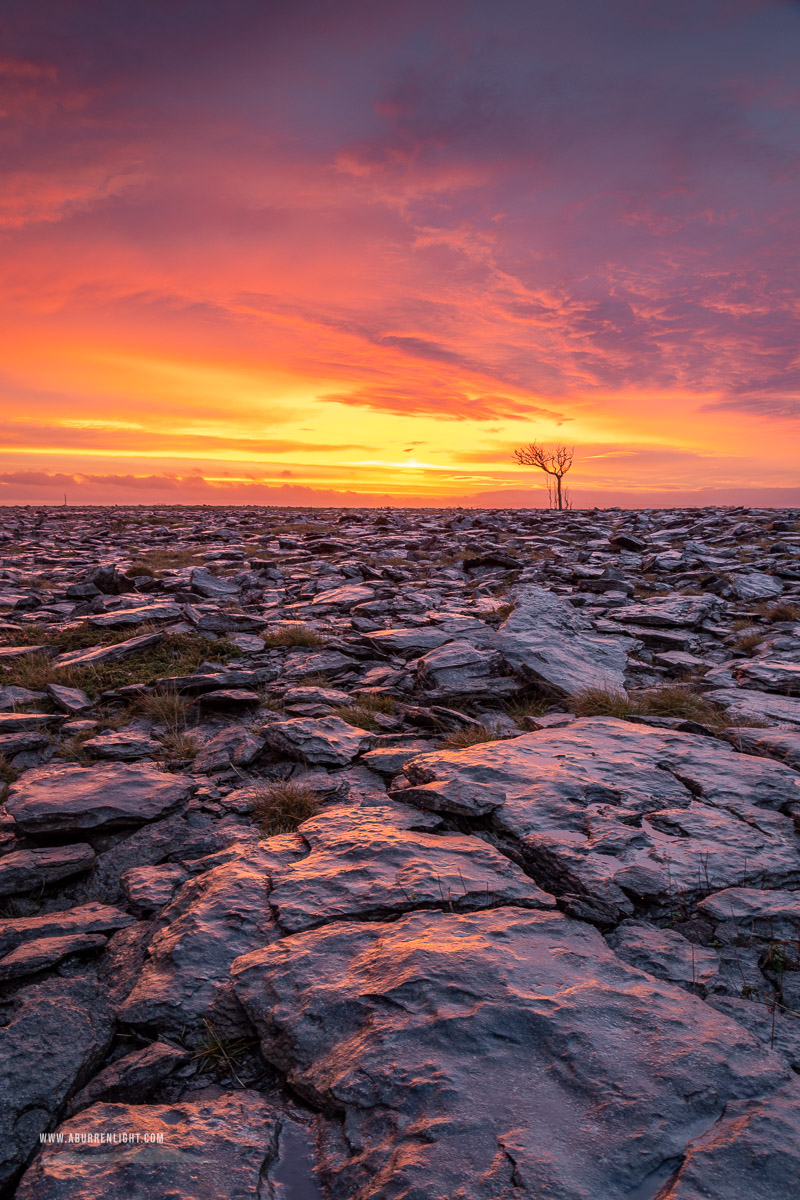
x=553 y=462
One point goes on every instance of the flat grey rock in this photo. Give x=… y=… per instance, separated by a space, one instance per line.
x=327 y=741
x=370 y=860
x=99 y=655
x=139 y=615
x=234 y=746
x=472 y=1052
x=67 y=797
x=459 y=668
x=69 y=700
x=195 y=1151
x=783 y=744
x=673 y=613
x=58 y=1034
x=211 y=586
x=343 y=597
x=750 y=704
x=408 y=642
x=769 y=674
x=546 y=641
x=35 y=956
x=122 y=746
x=753 y=586
x=85 y=918
x=29 y=870
x=215 y=917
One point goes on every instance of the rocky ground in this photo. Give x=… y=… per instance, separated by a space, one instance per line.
x=399 y=855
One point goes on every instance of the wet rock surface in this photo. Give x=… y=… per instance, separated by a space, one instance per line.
x=399 y=853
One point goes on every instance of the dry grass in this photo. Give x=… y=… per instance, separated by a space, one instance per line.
x=531 y=706
x=165 y=707
x=179 y=746
x=748 y=643
x=71 y=749
x=462 y=738
x=677 y=700
x=291 y=635
x=782 y=611
x=176 y=654
x=281 y=807
x=364 y=709
x=151 y=562
x=80 y=636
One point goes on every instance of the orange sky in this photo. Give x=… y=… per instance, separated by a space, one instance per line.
x=310 y=257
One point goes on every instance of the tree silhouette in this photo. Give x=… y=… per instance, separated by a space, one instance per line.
x=553 y=462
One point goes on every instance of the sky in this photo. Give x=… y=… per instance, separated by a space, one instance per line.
x=339 y=252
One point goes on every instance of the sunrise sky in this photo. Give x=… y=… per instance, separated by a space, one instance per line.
x=356 y=251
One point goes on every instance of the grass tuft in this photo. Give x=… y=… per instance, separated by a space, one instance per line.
x=363 y=711
x=8 y=774
x=165 y=707
x=179 y=746
x=176 y=654
x=782 y=611
x=462 y=738
x=291 y=635
x=748 y=643
x=281 y=807
x=677 y=700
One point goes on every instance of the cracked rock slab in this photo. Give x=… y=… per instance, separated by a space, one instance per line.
x=27 y=870
x=57 y=1036
x=547 y=641
x=753 y=1151
x=473 y=1053
x=215 y=917
x=327 y=742
x=87 y=918
x=66 y=796
x=749 y=704
x=194 y=1151
x=372 y=859
x=614 y=812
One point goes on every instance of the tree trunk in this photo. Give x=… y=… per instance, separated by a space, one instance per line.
x=558 y=481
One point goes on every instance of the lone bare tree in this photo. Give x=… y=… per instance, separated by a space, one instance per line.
x=553 y=462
